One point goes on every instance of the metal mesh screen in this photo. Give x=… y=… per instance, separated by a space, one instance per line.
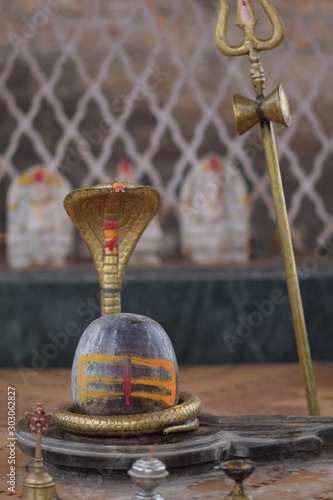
x=85 y=83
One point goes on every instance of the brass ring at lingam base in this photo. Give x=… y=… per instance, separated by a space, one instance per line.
x=179 y=418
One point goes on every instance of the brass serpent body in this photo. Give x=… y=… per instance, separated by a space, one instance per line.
x=111 y=218
x=179 y=418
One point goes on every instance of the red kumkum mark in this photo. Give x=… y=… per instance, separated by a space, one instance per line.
x=112 y=224
x=214 y=163
x=39 y=176
x=111 y=244
x=247 y=12
x=125 y=165
x=127 y=378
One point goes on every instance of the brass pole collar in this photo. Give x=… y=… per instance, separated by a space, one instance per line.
x=275 y=108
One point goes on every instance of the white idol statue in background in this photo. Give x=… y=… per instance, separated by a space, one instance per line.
x=39 y=232
x=148 y=248
x=214 y=214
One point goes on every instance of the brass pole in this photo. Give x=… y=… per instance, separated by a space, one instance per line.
x=275 y=108
x=290 y=267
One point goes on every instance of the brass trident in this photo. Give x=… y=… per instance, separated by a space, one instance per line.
x=264 y=110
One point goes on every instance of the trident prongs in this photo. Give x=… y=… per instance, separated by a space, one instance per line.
x=263 y=110
x=247 y=22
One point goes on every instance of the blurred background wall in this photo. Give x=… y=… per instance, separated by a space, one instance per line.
x=85 y=83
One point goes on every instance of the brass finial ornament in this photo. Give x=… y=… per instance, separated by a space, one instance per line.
x=39 y=485
x=265 y=110
x=125 y=378
x=148 y=474
x=238 y=470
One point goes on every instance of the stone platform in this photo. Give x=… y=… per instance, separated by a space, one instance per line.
x=260 y=438
x=224 y=390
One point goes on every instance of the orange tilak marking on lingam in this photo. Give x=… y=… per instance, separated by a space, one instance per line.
x=86 y=380
x=163 y=384
x=154 y=363
x=167 y=385
x=91 y=358
x=168 y=400
x=101 y=394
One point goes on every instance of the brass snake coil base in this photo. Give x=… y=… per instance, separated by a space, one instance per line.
x=179 y=418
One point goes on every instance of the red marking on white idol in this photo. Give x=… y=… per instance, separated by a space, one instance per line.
x=125 y=165
x=39 y=176
x=214 y=163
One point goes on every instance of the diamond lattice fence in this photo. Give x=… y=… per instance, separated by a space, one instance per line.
x=85 y=83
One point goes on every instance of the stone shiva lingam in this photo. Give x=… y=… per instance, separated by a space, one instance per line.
x=215 y=214
x=39 y=233
x=147 y=250
x=125 y=374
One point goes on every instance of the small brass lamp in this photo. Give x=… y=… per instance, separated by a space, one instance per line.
x=39 y=485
